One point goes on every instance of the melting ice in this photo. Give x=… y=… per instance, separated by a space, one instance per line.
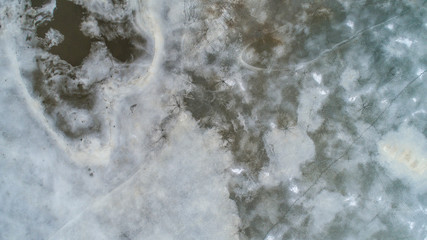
x=196 y=119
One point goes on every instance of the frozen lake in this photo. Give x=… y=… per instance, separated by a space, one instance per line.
x=205 y=119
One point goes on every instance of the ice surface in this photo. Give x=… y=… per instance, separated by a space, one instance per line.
x=130 y=119
x=285 y=155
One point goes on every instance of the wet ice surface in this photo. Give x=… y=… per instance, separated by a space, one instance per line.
x=213 y=119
